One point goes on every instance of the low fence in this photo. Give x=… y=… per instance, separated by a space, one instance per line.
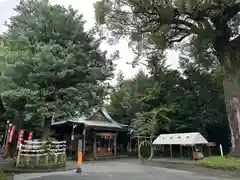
x=36 y=154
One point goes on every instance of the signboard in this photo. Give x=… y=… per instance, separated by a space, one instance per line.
x=105 y=134
x=211 y=144
x=11 y=134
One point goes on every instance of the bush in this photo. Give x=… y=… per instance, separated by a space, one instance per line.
x=221 y=162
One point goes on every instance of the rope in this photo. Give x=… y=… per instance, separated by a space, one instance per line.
x=139 y=148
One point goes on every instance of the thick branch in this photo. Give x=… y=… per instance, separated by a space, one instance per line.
x=191 y=26
x=176 y=19
x=179 y=39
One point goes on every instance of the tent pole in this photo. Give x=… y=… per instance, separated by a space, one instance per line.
x=209 y=149
x=192 y=151
x=138 y=148
x=171 y=151
x=181 y=151
x=163 y=151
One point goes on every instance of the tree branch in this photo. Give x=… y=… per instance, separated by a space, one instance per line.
x=191 y=26
x=179 y=39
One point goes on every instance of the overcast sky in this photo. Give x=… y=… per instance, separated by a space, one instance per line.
x=86 y=8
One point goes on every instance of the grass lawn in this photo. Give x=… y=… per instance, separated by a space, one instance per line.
x=6 y=176
x=221 y=162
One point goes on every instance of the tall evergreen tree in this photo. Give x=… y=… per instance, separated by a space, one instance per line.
x=58 y=69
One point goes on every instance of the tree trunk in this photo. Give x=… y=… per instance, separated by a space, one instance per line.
x=231 y=86
x=46 y=133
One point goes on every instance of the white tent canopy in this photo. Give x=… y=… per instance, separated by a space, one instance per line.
x=180 y=139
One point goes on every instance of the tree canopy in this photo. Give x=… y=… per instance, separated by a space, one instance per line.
x=167 y=101
x=212 y=25
x=56 y=69
x=208 y=29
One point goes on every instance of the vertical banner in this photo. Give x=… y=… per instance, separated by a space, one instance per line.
x=8 y=133
x=9 y=129
x=20 y=136
x=11 y=134
x=30 y=135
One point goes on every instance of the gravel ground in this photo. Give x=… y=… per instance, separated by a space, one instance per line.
x=123 y=170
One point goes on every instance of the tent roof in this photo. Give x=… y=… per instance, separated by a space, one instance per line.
x=180 y=139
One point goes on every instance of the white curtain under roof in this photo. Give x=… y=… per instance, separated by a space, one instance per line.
x=180 y=139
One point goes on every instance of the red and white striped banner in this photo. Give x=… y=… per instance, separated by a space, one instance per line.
x=11 y=134
x=30 y=135
x=20 y=136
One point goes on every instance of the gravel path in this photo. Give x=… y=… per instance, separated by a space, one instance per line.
x=122 y=170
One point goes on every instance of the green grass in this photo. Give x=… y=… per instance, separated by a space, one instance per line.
x=3 y=176
x=221 y=162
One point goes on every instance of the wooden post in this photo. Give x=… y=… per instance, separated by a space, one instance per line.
x=46 y=159
x=19 y=155
x=72 y=138
x=192 y=151
x=138 y=148
x=5 y=152
x=94 y=146
x=171 y=151
x=209 y=150
x=181 y=151
x=37 y=159
x=55 y=158
x=130 y=146
x=115 y=144
x=84 y=141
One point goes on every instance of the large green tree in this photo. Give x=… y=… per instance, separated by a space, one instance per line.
x=173 y=102
x=58 y=69
x=125 y=98
x=212 y=26
x=140 y=103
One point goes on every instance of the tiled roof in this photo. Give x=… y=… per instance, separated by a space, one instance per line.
x=109 y=123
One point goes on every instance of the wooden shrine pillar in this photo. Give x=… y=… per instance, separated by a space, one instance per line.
x=115 y=144
x=84 y=141
x=94 y=146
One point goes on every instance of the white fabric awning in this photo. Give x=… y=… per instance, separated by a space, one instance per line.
x=180 y=139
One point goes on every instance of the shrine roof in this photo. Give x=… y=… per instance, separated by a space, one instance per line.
x=94 y=120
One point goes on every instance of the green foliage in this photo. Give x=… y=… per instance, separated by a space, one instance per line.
x=125 y=98
x=55 y=69
x=221 y=162
x=167 y=101
x=2 y=176
x=149 y=123
x=211 y=26
x=206 y=32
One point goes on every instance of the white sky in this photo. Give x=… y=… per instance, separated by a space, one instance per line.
x=86 y=8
